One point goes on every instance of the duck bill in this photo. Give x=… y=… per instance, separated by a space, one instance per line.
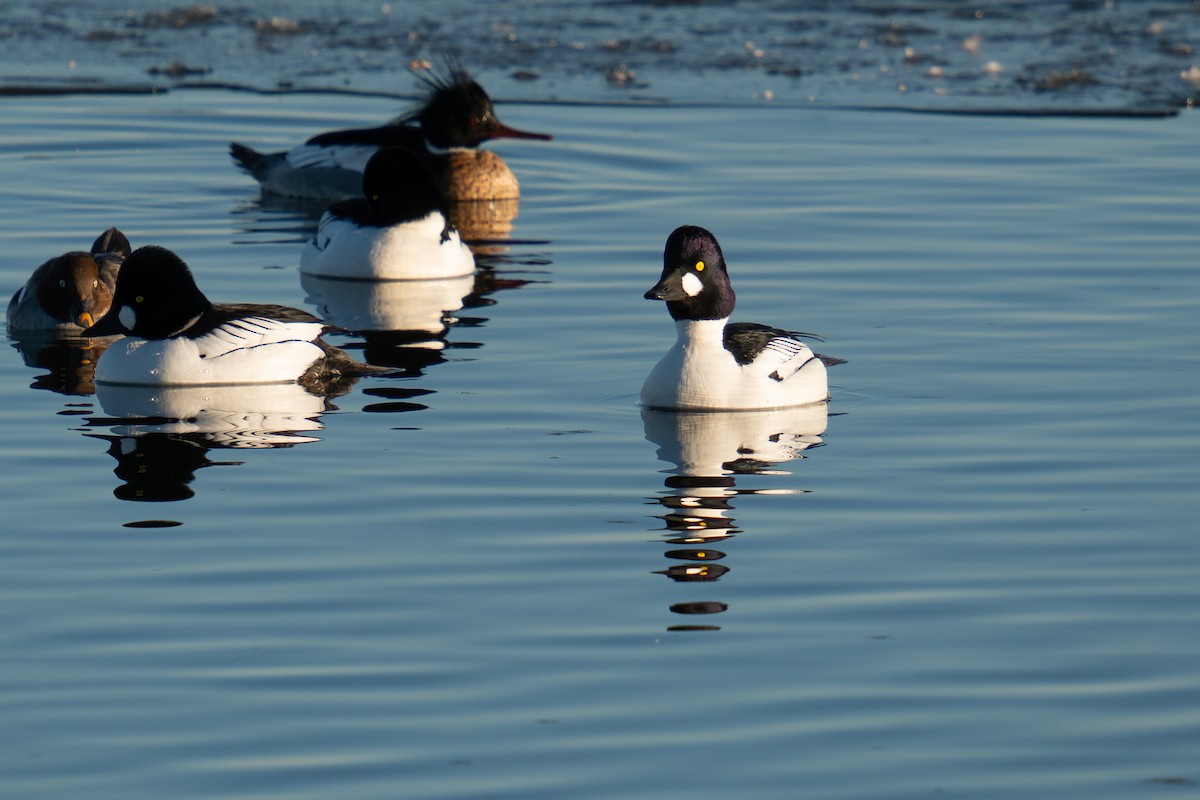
x=108 y=325
x=667 y=289
x=502 y=131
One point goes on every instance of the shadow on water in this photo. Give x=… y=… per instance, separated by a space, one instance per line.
x=710 y=451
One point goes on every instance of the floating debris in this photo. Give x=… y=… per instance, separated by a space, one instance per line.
x=621 y=75
x=278 y=26
x=177 y=69
x=1056 y=80
x=184 y=17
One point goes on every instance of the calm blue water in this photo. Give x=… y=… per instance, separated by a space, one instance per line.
x=975 y=576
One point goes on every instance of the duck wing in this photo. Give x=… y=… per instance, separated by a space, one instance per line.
x=776 y=351
x=236 y=326
x=407 y=136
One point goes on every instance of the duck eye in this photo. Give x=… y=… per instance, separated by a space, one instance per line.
x=699 y=266
x=62 y=284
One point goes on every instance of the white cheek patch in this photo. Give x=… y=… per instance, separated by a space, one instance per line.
x=128 y=317
x=692 y=285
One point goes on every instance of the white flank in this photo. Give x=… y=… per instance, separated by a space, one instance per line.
x=699 y=374
x=251 y=351
x=408 y=251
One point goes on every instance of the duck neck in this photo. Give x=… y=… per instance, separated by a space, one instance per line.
x=700 y=332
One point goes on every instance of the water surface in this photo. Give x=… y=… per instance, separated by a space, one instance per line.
x=493 y=576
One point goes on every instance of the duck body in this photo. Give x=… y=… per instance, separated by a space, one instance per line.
x=454 y=119
x=229 y=345
x=68 y=293
x=716 y=365
x=323 y=171
x=701 y=373
x=397 y=229
x=413 y=250
x=176 y=337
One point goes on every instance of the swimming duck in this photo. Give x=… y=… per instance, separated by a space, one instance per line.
x=715 y=364
x=69 y=292
x=176 y=337
x=445 y=130
x=396 y=231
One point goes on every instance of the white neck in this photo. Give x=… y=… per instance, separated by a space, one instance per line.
x=701 y=330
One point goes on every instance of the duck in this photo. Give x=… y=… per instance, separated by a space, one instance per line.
x=445 y=130
x=715 y=364
x=397 y=229
x=68 y=293
x=175 y=336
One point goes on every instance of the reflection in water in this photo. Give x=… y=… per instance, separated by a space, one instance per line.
x=170 y=430
x=71 y=362
x=403 y=324
x=709 y=450
x=157 y=467
x=421 y=306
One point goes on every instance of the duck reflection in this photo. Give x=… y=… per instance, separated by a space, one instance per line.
x=709 y=451
x=70 y=361
x=160 y=436
x=403 y=324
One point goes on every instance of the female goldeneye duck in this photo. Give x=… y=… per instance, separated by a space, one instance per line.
x=396 y=231
x=176 y=337
x=70 y=292
x=714 y=364
x=455 y=118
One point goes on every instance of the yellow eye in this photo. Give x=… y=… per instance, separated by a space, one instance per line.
x=699 y=266
x=138 y=299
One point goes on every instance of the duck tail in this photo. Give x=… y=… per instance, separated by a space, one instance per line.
x=830 y=361
x=247 y=158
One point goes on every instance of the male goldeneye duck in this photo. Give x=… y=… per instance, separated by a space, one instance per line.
x=176 y=337
x=70 y=292
x=454 y=119
x=396 y=231
x=714 y=364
